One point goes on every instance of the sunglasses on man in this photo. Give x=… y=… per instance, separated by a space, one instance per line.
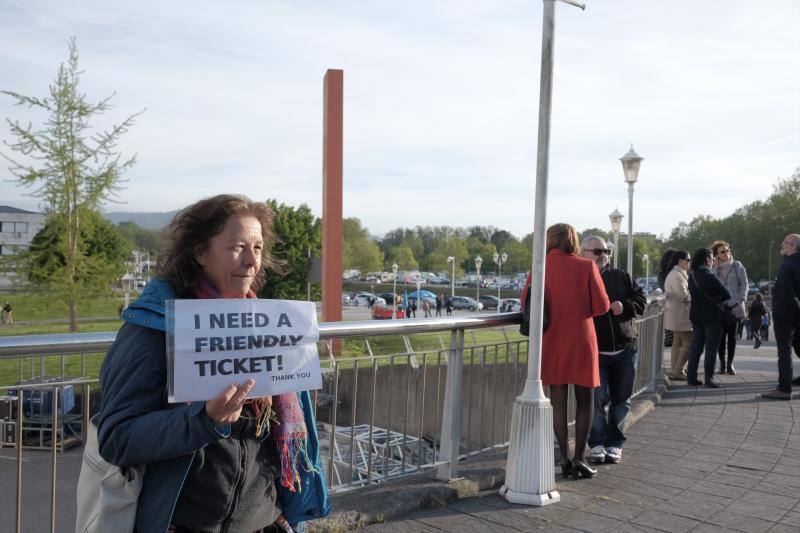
x=599 y=251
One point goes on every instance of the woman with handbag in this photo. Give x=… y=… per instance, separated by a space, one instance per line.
x=676 y=316
x=574 y=294
x=706 y=314
x=733 y=275
x=231 y=463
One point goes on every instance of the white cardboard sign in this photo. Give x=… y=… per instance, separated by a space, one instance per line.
x=212 y=343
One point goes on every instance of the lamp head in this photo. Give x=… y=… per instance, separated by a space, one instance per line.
x=496 y=257
x=451 y=259
x=504 y=257
x=630 y=165
x=478 y=262
x=616 y=220
x=394 y=268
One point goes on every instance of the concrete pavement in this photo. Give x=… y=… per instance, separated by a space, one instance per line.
x=703 y=460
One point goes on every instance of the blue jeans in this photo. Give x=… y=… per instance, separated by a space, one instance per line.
x=784 y=333
x=705 y=335
x=617 y=373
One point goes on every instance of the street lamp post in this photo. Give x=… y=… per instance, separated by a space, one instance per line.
x=530 y=475
x=394 y=290
x=616 y=221
x=630 y=166
x=646 y=259
x=478 y=263
x=499 y=259
x=452 y=261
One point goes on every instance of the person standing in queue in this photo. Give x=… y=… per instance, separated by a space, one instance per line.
x=706 y=314
x=616 y=341
x=574 y=294
x=228 y=464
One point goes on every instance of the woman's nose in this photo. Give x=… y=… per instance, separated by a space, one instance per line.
x=249 y=257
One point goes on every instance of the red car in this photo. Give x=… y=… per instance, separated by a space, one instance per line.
x=384 y=312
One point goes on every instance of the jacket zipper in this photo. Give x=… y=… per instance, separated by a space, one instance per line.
x=237 y=492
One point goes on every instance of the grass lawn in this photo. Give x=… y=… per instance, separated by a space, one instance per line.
x=41 y=307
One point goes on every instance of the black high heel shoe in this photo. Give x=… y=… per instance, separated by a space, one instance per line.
x=566 y=468
x=581 y=469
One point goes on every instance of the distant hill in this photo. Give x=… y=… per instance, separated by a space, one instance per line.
x=143 y=220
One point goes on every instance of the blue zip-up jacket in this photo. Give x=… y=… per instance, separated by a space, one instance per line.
x=136 y=424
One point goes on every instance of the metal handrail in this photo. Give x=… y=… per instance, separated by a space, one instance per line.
x=73 y=343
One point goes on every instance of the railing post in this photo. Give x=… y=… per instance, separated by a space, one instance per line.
x=451 y=413
x=20 y=417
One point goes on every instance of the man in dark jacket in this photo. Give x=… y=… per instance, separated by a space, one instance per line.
x=786 y=314
x=616 y=342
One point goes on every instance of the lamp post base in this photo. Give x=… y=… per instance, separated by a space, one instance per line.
x=530 y=470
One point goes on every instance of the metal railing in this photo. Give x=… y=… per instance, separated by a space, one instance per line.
x=379 y=416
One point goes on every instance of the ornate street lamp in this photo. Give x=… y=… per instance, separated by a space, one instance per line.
x=499 y=259
x=394 y=290
x=616 y=222
x=478 y=263
x=452 y=261
x=630 y=166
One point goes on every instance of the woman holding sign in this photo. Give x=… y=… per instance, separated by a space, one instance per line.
x=229 y=463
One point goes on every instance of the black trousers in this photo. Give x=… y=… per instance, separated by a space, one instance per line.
x=730 y=326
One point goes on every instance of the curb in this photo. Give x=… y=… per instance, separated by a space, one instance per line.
x=400 y=497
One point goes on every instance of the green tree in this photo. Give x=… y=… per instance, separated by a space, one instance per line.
x=403 y=255
x=70 y=166
x=297 y=231
x=104 y=250
x=140 y=238
x=360 y=251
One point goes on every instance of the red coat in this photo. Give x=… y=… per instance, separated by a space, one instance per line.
x=574 y=292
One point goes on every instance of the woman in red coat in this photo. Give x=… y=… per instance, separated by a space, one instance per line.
x=574 y=293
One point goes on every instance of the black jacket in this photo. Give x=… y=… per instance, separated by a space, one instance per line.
x=707 y=297
x=785 y=306
x=619 y=287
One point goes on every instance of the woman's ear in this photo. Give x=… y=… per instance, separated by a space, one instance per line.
x=200 y=258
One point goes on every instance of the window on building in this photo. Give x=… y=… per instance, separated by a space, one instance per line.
x=20 y=227
x=7 y=227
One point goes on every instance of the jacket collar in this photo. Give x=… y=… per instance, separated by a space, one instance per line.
x=149 y=309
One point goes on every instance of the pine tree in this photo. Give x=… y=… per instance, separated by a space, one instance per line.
x=70 y=166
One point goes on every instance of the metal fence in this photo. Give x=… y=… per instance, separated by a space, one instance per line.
x=378 y=416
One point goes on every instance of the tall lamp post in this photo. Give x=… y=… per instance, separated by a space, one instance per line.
x=499 y=259
x=478 y=263
x=530 y=473
x=452 y=261
x=646 y=259
x=394 y=290
x=616 y=222
x=630 y=166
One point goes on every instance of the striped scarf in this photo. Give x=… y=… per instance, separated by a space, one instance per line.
x=289 y=433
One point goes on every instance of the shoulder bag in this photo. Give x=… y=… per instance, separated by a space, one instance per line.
x=525 y=327
x=107 y=495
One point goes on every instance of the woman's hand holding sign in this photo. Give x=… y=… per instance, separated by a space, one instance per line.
x=226 y=408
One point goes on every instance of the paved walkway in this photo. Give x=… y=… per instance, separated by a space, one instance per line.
x=704 y=460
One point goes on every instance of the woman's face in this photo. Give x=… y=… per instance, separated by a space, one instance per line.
x=683 y=263
x=233 y=257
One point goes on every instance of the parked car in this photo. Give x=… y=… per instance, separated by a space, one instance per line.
x=489 y=301
x=465 y=302
x=388 y=297
x=362 y=299
x=346 y=299
x=383 y=311
x=510 y=305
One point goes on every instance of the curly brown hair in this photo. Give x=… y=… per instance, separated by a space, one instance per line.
x=564 y=237
x=190 y=234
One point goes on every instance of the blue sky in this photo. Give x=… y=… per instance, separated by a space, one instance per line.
x=441 y=103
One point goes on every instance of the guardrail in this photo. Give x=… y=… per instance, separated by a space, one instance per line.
x=379 y=416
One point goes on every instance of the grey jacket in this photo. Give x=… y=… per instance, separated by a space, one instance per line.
x=735 y=279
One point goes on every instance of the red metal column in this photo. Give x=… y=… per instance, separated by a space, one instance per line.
x=332 y=236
